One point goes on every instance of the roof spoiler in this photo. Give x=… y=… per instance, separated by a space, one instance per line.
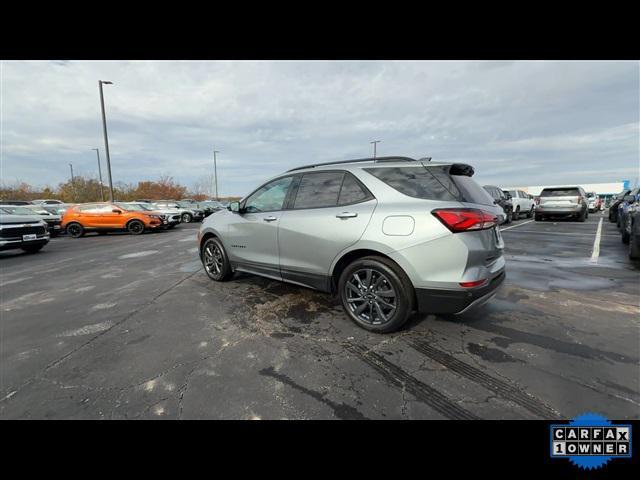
x=461 y=169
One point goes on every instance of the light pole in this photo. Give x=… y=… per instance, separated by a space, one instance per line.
x=215 y=172
x=375 y=143
x=99 y=174
x=73 y=184
x=106 y=140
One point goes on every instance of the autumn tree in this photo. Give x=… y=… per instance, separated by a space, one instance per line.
x=81 y=190
x=164 y=188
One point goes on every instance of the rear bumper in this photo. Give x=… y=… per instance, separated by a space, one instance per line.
x=457 y=301
x=568 y=210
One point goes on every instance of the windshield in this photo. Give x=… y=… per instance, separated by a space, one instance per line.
x=15 y=210
x=560 y=192
x=131 y=207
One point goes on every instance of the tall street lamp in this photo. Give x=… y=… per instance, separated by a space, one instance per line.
x=215 y=172
x=73 y=184
x=106 y=140
x=99 y=173
x=375 y=143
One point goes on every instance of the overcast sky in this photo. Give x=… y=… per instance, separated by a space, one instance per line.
x=517 y=123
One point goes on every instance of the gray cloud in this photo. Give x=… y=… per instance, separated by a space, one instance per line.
x=516 y=122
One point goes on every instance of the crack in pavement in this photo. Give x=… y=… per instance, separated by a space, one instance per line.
x=93 y=339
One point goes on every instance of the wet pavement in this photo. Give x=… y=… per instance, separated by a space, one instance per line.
x=131 y=327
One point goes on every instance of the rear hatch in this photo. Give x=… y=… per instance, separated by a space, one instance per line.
x=565 y=197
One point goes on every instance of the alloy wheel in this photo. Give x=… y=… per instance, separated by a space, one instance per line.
x=73 y=230
x=371 y=297
x=213 y=259
x=136 y=227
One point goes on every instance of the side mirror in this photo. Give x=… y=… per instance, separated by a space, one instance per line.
x=234 y=207
x=115 y=210
x=629 y=198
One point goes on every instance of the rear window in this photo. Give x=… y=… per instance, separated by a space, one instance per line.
x=432 y=183
x=560 y=192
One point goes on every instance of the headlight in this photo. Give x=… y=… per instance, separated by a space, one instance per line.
x=154 y=216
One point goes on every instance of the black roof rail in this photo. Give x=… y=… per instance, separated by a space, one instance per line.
x=357 y=160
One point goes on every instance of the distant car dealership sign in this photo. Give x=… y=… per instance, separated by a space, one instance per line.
x=590 y=441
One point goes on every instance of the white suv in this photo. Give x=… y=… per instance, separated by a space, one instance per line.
x=523 y=204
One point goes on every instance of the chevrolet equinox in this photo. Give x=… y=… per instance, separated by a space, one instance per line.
x=389 y=236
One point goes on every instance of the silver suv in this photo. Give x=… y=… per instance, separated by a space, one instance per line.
x=389 y=236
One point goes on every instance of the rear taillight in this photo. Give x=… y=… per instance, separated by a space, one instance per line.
x=465 y=219
x=579 y=200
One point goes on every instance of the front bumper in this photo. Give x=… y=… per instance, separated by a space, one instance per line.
x=10 y=244
x=438 y=301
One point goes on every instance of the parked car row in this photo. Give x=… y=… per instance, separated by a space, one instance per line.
x=30 y=225
x=625 y=212
x=514 y=203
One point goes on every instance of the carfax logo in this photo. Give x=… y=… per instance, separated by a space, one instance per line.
x=590 y=441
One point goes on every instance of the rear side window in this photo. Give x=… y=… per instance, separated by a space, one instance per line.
x=560 y=192
x=432 y=183
x=317 y=190
x=417 y=182
x=352 y=191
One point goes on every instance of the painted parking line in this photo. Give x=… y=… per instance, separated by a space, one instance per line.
x=596 y=243
x=514 y=226
x=543 y=232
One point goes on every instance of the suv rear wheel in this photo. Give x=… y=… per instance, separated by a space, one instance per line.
x=634 y=247
x=376 y=294
x=530 y=213
x=215 y=260
x=75 y=230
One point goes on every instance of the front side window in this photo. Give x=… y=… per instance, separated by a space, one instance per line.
x=269 y=197
x=317 y=190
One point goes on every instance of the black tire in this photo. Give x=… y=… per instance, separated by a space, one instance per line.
x=135 y=227
x=634 y=247
x=530 y=213
x=75 y=230
x=187 y=217
x=625 y=236
x=538 y=218
x=102 y=232
x=33 y=248
x=582 y=217
x=215 y=260
x=509 y=216
x=516 y=214
x=384 y=273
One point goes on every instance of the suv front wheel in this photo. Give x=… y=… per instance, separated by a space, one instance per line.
x=376 y=294
x=215 y=260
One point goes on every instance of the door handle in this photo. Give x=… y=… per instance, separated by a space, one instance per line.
x=270 y=219
x=347 y=215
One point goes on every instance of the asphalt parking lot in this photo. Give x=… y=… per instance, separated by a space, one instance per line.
x=121 y=327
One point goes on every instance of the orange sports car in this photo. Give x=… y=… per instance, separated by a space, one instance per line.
x=104 y=217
